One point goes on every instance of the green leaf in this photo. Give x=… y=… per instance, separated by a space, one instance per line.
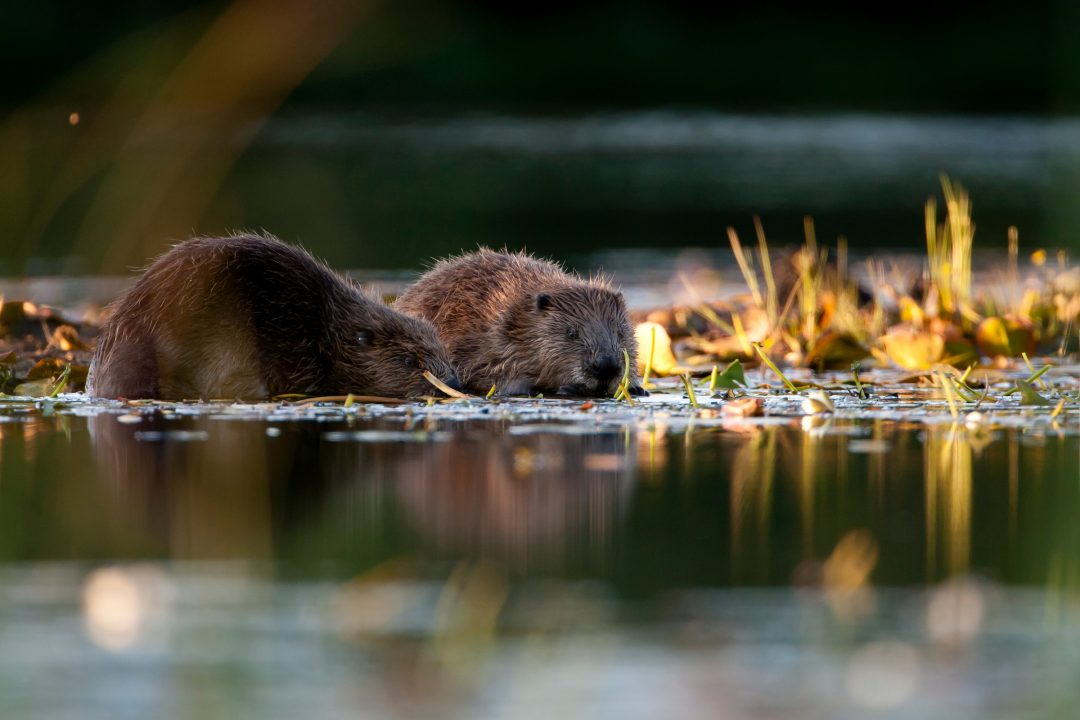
x=732 y=376
x=1028 y=396
x=35 y=388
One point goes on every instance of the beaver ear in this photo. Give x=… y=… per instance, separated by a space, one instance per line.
x=365 y=337
x=543 y=301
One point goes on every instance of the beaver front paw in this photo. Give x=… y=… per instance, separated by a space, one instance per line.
x=520 y=386
x=638 y=391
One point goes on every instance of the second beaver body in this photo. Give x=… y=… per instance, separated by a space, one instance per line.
x=525 y=325
x=252 y=317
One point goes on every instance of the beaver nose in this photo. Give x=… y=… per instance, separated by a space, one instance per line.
x=454 y=383
x=606 y=367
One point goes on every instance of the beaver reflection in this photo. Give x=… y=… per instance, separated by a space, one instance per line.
x=197 y=488
x=203 y=487
x=533 y=502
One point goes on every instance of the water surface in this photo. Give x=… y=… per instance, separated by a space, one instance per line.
x=523 y=559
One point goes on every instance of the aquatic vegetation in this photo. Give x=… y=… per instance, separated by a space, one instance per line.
x=440 y=385
x=868 y=342
x=42 y=349
x=811 y=310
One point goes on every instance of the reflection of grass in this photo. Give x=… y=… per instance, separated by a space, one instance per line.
x=753 y=472
x=948 y=463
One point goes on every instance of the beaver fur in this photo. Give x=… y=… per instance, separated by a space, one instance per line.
x=251 y=317
x=526 y=325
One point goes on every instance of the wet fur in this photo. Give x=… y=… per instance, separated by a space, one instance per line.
x=504 y=318
x=250 y=317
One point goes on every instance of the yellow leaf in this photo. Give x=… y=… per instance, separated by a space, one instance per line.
x=913 y=349
x=663 y=359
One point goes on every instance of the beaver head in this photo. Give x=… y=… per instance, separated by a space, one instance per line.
x=385 y=352
x=576 y=336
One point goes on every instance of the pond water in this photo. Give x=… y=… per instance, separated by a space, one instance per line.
x=537 y=559
x=524 y=559
x=386 y=190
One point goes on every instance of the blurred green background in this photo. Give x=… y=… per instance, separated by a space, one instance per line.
x=382 y=134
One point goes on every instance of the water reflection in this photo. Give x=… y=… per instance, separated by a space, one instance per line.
x=646 y=502
x=483 y=561
x=420 y=187
x=948 y=500
x=527 y=498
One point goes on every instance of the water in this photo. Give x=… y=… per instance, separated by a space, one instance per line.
x=541 y=559
x=527 y=559
x=384 y=190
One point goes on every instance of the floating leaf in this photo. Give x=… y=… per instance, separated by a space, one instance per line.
x=1028 y=394
x=743 y=407
x=732 y=376
x=35 y=388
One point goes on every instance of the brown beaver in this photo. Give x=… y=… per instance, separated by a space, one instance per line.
x=251 y=317
x=525 y=325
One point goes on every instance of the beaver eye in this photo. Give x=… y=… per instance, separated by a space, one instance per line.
x=410 y=361
x=571 y=334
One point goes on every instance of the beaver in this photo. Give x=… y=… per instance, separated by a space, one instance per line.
x=249 y=316
x=525 y=325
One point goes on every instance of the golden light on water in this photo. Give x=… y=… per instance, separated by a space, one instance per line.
x=604 y=462
x=846 y=575
x=948 y=465
x=652 y=447
x=524 y=460
x=954 y=614
x=118 y=604
x=851 y=562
